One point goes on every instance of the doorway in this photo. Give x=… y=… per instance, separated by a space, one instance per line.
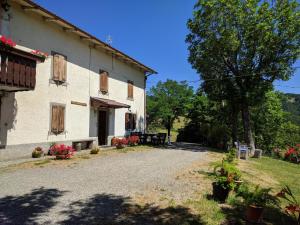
x=102 y=127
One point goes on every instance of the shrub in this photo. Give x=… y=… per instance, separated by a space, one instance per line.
x=95 y=150
x=62 y=151
x=231 y=155
x=37 y=152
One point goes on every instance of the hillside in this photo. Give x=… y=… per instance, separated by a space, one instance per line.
x=291 y=104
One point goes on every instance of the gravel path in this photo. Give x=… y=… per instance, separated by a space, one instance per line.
x=92 y=190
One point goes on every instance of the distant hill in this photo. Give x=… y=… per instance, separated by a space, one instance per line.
x=291 y=104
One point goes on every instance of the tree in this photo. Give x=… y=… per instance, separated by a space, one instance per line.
x=268 y=120
x=242 y=47
x=167 y=101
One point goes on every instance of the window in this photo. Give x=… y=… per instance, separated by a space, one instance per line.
x=103 y=81
x=130 y=89
x=130 y=121
x=59 y=68
x=57 y=119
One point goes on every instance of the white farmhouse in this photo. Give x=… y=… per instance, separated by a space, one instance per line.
x=83 y=91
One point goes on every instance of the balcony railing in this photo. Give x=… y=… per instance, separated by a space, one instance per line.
x=17 y=70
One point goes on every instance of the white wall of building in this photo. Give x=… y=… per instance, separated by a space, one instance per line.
x=29 y=120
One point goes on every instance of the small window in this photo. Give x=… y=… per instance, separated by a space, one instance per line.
x=57 y=119
x=130 y=121
x=59 y=68
x=103 y=81
x=130 y=89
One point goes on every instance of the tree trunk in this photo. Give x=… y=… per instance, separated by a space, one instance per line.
x=234 y=126
x=247 y=128
x=169 y=130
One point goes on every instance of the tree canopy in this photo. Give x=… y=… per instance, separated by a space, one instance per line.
x=167 y=101
x=240 y=47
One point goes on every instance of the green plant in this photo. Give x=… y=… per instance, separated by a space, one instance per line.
x=259 y=197
x=95 y=150
x=293 y=207
x=225 y=168
x=231 y=155
x=37 y=152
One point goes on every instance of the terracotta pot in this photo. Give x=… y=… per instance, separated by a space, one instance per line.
x=113 y=141
x=254 y=213
x=60 y=156
x=220 y=193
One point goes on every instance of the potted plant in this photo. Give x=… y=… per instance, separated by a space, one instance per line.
x=95 y=150
x=121 y=143
x=256 y=202
x=226 y=177
x=37 y=152
x=62 y=151
x=293 y=207
x=133 y=140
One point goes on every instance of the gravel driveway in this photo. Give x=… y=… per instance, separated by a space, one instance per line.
x=94 y=191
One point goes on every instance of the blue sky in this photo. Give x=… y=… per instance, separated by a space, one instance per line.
x=152 y=32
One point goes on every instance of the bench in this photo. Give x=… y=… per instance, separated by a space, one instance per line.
x=83 y=144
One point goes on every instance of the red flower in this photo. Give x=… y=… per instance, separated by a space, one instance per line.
x=281 y=194
x=3 y=39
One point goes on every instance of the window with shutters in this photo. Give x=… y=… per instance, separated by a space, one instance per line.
x=59 y=68
x=130 y=121
x=103 y=81
x=130 y=90
x=57 y=119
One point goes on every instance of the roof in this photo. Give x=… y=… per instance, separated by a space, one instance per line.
x=48 y=16
x=107 y=103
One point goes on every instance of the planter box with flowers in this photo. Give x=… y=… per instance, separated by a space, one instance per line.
x=133 y=140
x=6 y=42
x=40 y=53
x=120 y=143
x=62 y=151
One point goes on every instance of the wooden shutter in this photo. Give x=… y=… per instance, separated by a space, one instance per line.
x=127 y=121
x=54 y=119
x=61 y=119
x=56 y=67
x=103 y=81
x=58 y=119
x=133 y=125
x=130 y=89
x=59 y=68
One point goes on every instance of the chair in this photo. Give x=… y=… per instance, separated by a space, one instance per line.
x=243 y=151
x=162 y=138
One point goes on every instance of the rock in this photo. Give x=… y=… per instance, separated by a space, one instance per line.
x=257 y=153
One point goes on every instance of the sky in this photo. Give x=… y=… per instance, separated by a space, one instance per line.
x=153 y=32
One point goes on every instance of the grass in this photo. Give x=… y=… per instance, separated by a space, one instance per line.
x=266 y=172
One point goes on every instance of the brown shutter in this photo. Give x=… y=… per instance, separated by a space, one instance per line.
x=61 y=119
x=130 y=89
x=56 y=67
x=133 y=121
x=63 y=68
x=103 y=81
x=54 y=119
x=127 y=121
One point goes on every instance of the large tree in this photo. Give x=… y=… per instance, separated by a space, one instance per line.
x=242 y=46
x=167 y=101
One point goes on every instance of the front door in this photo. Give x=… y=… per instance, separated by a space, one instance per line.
x=102 y=128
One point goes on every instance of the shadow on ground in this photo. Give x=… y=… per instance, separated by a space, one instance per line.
x=116 y=210
x=183 y=146
x=27 y=208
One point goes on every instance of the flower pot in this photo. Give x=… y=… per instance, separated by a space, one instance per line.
x=60 y=156
x=254 y=213
x=120 y=146
x=220 y=193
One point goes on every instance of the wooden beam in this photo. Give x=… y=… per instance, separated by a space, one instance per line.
x=67 y=29
x=85 y=38
x=50 y=19
x=78 y=103
x=29 y=8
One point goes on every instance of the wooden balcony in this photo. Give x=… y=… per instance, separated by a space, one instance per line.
x=17 y=70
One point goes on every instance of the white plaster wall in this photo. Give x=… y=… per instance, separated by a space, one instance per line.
x=31 y=122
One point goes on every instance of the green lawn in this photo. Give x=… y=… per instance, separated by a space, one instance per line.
x=285 y=173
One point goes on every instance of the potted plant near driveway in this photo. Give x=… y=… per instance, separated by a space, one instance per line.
x=62 y=151
x=256 y=202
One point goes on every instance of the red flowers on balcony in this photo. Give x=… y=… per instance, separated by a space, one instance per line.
x=62 y=151
x=40 y=53
x=7 y=42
